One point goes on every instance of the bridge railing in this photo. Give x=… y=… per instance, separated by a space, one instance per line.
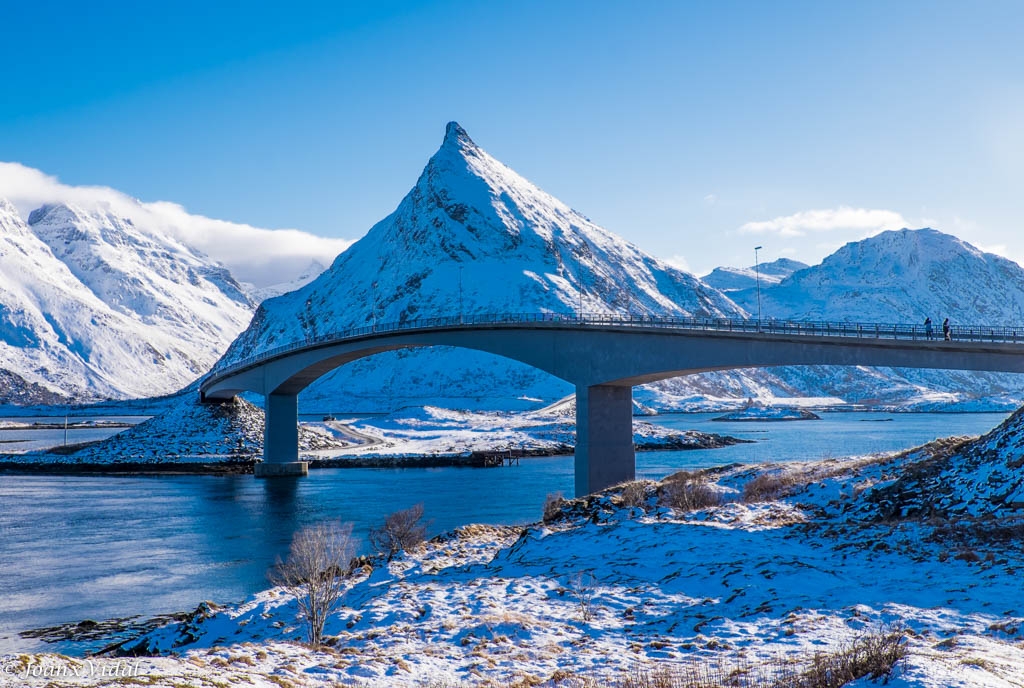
x=823 y=328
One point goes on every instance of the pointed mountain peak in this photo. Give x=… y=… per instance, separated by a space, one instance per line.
x=455 y=135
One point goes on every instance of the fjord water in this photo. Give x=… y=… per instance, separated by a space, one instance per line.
x=99 y=547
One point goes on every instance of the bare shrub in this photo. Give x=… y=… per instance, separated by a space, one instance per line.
x=768 y=487
x=874 y=655
x=402 y=530
x=583 y=587
x=314 y=573
x=685 y=491
x=553 y=504
x=634 y=494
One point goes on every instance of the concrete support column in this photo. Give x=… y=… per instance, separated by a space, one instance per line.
x=604 y=437
x=280 y=437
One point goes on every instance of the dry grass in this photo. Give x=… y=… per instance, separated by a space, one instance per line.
x=783 y=482
x=767 y=487
x=875 y=656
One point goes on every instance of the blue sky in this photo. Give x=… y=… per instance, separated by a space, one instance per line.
x=697 y=130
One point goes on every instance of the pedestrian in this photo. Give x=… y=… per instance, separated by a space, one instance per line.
x=928 y=327
x=945 y=330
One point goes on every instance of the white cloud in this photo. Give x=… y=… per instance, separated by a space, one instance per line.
x=711 y=199
x=253 y=254
x=679 y=262
x=844 y=218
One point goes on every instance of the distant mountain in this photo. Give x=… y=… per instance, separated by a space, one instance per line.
x=894 y=277
x=93 y=307
x=469 y=220
x=901 y=276
x=727 y=279
x=261 y=294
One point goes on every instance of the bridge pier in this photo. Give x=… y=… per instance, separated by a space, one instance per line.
x=604 y=437
x=280 y=438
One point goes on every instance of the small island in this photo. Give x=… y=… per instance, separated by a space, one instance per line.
x=753 y=412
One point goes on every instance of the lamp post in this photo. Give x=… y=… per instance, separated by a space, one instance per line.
x=579 y=286
x=460 y=294
x=757 y=281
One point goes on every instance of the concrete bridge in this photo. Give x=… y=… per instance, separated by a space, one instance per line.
x=604 y=356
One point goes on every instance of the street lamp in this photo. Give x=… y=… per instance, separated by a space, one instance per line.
x=579 y=284
x=460 y=294
x=757 y=278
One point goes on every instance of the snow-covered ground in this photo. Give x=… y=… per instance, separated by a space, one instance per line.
x=182 y=430
x=755 y=412
x=435 y=431
x=186 y=431
x=793 y=560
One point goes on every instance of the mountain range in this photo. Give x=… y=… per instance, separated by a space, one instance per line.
x=92 y=306
x=474 y=235
x=728 y=279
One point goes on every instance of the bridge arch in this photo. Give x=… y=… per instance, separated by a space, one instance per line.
x=604 y=357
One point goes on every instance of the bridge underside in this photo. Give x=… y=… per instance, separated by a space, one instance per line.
x=604 y=454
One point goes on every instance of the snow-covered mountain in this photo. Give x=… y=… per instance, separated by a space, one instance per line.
x=93 y=307
x=901 y=276
x=472 y=221
x=894 y=277
x=728 y=279
x=261 y=294
x=469 y=221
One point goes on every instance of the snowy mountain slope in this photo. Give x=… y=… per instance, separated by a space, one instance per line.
x=150 y=277
x=92 y=307
x=902 y=277
x=977 y=478
x=728 y=279
x=259 y=294
x=514 y=248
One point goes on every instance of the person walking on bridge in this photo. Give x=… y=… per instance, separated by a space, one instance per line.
x=928 y=327
x=945 y=330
